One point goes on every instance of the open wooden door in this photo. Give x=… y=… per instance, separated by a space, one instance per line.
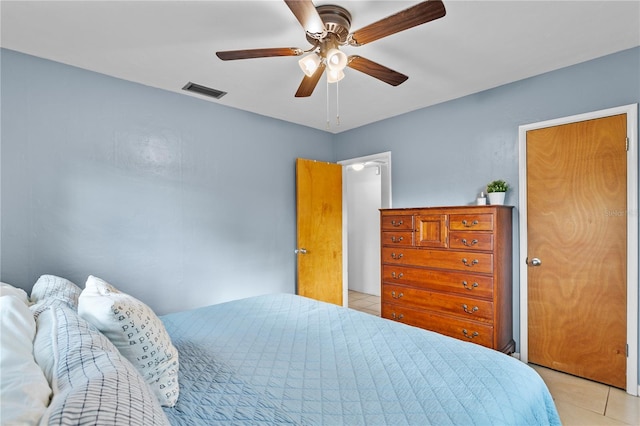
x=319 y=230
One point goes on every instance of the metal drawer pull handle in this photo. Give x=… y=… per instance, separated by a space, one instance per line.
x=465 y=223
x=473 y=242
x=396 y=317
x=399 y=223
x=469 y=336
x=466 y=285
x=396 y=239
x=397 y=276
x=473 y=262
x=397 y=256
x=393 y=294
x=466 y=309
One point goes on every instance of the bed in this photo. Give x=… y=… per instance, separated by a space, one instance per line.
x=285 y=359
x=265 y=360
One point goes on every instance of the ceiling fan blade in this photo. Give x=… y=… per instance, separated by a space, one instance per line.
x=230 y=55
x=307 y=15
x=376 y=70
x=416 y=15
x=309 y=83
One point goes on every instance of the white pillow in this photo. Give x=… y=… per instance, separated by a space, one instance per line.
x=44 y=345
x=24 y=390
x=53 y=287
x=9 y=290
x=137 y=332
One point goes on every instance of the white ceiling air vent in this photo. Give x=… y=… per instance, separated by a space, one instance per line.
x=203 y=90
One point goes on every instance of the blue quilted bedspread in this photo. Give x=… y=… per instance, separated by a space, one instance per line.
x=284 y=359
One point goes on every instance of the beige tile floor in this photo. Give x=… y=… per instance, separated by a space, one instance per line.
x=580 y=402
x=364 y=302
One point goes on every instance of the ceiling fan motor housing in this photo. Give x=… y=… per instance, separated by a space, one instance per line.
x=337 y=22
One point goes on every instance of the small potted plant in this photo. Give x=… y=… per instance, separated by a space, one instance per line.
x=496 y=191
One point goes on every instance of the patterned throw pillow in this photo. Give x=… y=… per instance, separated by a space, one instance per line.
x=50 y=289
x=93 y=384
x=137 y=332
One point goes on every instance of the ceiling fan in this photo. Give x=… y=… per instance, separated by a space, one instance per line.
x=327 y=28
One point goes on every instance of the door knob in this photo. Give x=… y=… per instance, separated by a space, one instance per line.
x=301 y=251
x=534 y=262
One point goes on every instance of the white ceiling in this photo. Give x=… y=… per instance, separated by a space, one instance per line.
x=165 y=44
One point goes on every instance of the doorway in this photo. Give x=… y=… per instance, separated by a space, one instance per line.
x=560 y=131
x=366 y=189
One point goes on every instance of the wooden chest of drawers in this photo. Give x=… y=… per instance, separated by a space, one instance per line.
x=449 y=270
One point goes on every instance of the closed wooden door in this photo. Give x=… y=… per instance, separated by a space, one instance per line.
x=319 y=233
x=577 y=221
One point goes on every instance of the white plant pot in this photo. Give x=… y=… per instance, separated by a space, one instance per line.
x=496 y=198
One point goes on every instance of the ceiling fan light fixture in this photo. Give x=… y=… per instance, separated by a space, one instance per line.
x=334 y=76
x=327 y=27
x=336 y=60
x=309 y=64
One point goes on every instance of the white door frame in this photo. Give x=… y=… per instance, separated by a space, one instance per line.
x=384 y=159
x=632 y=232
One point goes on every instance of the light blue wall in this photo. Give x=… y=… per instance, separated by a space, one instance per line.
x=447 y=153
x=179 y=201
x=184 y=202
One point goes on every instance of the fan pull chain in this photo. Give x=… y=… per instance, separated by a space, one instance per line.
x=337 y=105
x=328 y=122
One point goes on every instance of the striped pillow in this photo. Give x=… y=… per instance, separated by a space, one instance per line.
x=50 y=289
x=92 y=383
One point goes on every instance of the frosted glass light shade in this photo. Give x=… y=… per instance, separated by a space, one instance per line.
x=334 y=76
x=309 y=64
x=336 y=60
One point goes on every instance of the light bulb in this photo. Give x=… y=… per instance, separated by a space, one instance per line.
x=309 y=64
x=336 y=60
x=357 y=166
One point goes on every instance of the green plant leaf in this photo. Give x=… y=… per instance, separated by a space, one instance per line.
x=497 y=186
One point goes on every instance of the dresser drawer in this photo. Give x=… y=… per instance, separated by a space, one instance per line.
x=439 y=259
x=464 y=307
x=430 y=279
x=398 y=222
x=397 y=238
x=471 y=222
x=460 y=240
x=471 y=331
